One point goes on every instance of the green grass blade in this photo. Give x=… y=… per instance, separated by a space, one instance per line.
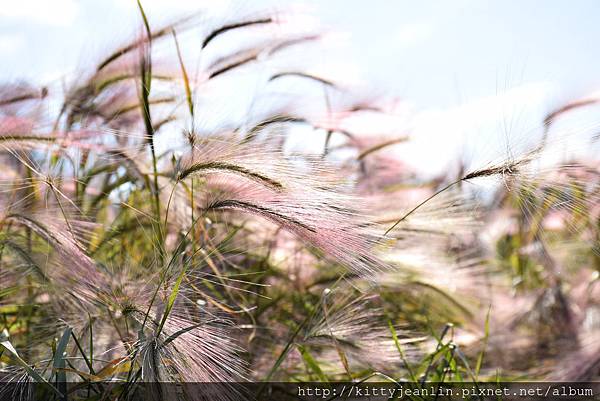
x=145 y=19
x=172 y=298
x=146 y=77
x=413 y=378
x=59 y=362
x=174 y=336
x=485 y=341
x=312 y=363
x=186 y=80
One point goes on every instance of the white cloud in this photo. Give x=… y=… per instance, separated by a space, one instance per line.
x=55 y=12
x=413 y=34
x=478 y=129
x=10 y=42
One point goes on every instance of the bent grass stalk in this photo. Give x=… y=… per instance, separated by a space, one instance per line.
x=509 y=168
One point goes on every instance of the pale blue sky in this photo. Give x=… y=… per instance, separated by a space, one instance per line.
x=464 y=68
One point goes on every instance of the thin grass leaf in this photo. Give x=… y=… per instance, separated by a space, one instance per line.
x=464 y=309
x=178 y=333
x=146 y=78
x=186 y=81
x=486 y=337
x=283 y=354
x=59 y=364
x=312 y=363
x=4 y=342
x=401 y=352
x=172 y=298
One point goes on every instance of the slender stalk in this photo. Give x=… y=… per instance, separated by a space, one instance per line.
x=414 y=209
x=146 y=82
